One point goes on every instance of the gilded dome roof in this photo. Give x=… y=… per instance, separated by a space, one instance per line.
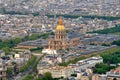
x=60 y=25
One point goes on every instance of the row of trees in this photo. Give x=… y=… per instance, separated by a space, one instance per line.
x=36 y=49
x=32 y=76
x=28 y=64
x=103 y=44
x=116 y=42
x=109 y=18
x=35 y=64
x=29 y=77
x=102 y=68
x=112 y=58
x=109 y=30
x=4 y=11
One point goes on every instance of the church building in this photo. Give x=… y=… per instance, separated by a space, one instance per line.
x=60 y=40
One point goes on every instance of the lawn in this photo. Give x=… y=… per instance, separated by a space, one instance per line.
x=117 y=33
x=117 y=49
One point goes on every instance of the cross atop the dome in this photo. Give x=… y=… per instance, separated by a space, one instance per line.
x=60 y=21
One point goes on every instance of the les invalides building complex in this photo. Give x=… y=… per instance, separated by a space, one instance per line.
x=60 y=40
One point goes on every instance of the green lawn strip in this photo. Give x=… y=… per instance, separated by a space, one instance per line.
x=117 y=33
x=111 y=50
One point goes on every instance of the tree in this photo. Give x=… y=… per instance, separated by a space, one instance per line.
x=75 y=75
x=116 y=42
x=52 y=33
x=48 y=76
x=104 y=44
x=102 y=68
x=6 y=49
x=9 y=71
x=17 y=40
x=29 y=77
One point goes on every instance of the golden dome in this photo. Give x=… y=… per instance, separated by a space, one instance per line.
x=60 y=25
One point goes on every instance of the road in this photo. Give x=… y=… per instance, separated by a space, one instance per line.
x=21 y=76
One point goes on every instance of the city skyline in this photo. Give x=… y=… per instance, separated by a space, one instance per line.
x=59 y=39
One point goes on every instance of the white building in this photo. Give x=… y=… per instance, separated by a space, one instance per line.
x=60 y=71
x=57 y=71
x=2 y=53
x=48 y=51
x=113 y=74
